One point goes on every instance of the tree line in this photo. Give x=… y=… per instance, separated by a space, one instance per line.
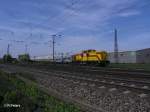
x=7 y=58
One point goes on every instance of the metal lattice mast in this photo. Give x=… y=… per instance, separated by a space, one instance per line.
x=26 y=49
x=116 y=55
x=53 y=42
x=8 y=49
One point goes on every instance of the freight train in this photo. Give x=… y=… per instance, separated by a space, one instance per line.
x=91 y=57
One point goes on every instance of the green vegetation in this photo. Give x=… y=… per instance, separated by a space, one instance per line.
x=7 y=58
x=15 y=91
x=131 y=66
x=24 y=58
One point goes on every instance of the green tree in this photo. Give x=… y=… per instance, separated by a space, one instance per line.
x=24 y=57
x=7 y=58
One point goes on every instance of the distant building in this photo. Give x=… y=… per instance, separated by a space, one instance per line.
x=139 y=56
x=43 y=58
x=124 y=57
x=143 y=56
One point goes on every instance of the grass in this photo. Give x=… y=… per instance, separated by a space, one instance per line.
x=15 y=91
x=131 y=66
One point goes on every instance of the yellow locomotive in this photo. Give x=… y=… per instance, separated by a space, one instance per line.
x=91 y=57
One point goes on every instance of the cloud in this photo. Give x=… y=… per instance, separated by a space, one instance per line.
x=77 y=43
x=82 y=22
x=89 y=15
x=82 y=14
x=129 y=13
x=136 y=41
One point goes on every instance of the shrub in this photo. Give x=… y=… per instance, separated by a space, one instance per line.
x=24 y=58
x=7 y=58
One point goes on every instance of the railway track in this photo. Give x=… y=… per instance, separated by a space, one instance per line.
x=97 y=71
x=93 y=90
x=126 y=84
x=97 y=68
x=143 y=86
x=108 y=75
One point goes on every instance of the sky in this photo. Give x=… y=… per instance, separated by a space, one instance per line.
x=82 y=24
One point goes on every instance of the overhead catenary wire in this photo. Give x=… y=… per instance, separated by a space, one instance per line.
x=73 y=2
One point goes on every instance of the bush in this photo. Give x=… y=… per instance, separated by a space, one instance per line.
x=7 y=58
x=24 y=58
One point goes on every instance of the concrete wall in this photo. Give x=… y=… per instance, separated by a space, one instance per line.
x=124 y=57
x=139 y=56
x=143 y=56
x=111 y=57
x=127 y=57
